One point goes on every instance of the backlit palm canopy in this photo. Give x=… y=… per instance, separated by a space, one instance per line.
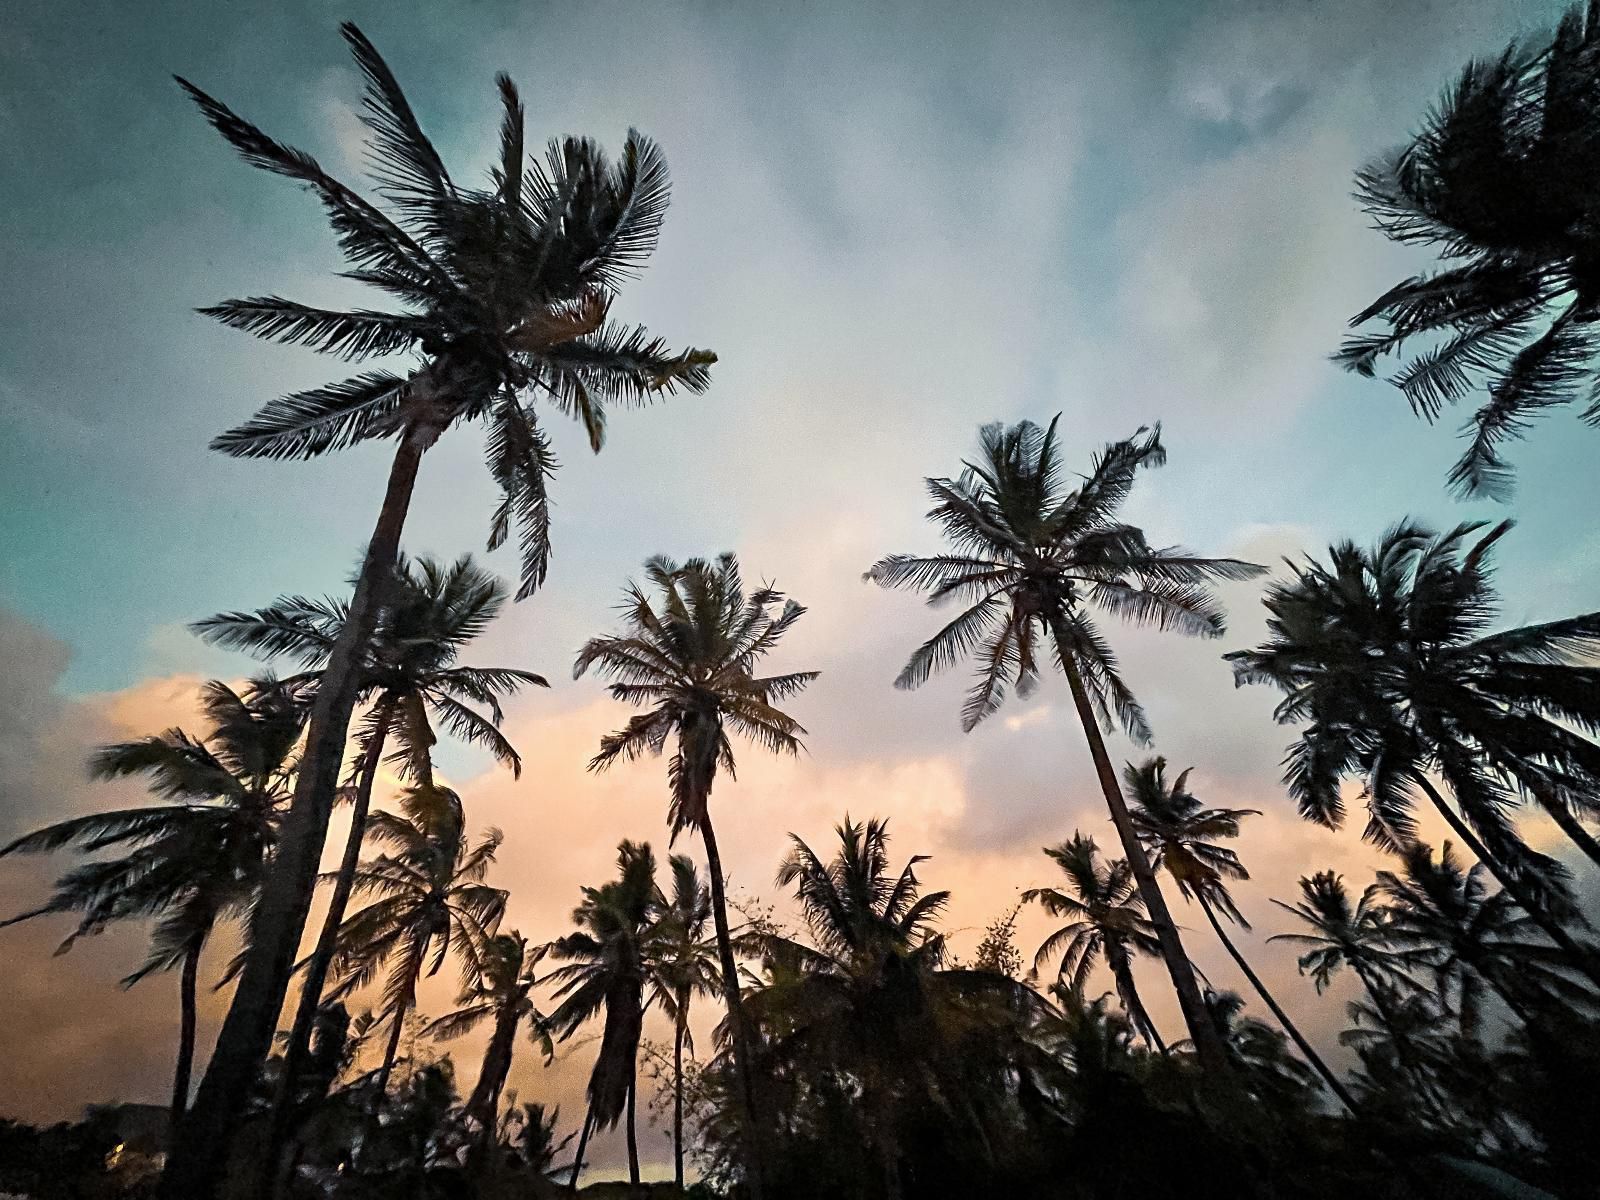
x=1386 y=656
x=1031 y=556
x=1105 y=917
x=1342 y=934
x=1181 y=834
x=503 y=289
x=1498 y=179
x=411 y=661
x=688 y=657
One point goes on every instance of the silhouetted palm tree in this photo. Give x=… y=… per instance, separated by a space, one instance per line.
x=1386 y=657
x=872 y=1001
x=1105 y=917
x=1030 y=559
x=682 y=965
x=1358 y=936
x=1498 y=180
x=502 y=994
x=688 y=658
x=606 y=971
x=430 y=900
x=1469 y=938
x=412 y=682
x=1181 y=837
x=1279 y=1079
x=194 y=861
x=505 y=292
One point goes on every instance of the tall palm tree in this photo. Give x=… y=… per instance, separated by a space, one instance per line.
x=1029 y=559
x=505 y=292
x=1468 y=937
x=607 y=970
x=412 y=682
x=1497 y=180
x=688 y=657
x=1181 y=836
x=502 y=994
x=1105 y=916
x=1386 y=656
x=430 y=900
x=189 y=863
x=682 y=965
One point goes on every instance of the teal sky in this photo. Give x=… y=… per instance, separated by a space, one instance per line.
x=893 y=222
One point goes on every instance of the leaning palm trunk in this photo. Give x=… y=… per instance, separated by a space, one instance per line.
x=484 y=1103
x=583 y=1145
x=200 y=1153
x=1202 y=1032
x=1123 y=973
x=742 y=1042
x=187 y=988
x=316 y=976
x=1581 y=958
x=407 y=999
x=1335 y=1084
x=1567 y=821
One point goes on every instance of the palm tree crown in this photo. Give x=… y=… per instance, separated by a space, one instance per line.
x=504 y=290
x=411 y=662
x=1386 y=656
x=1497 y=179
x=1030 y=556
x=1358 y=935
x=1181 y=834
x=689 y=658
x=1105 y=916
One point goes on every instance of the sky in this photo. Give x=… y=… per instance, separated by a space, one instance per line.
x=893 y=223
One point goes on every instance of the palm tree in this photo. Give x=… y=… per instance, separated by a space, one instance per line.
x=1029 y=559
x=412 y=681
x=430 y=900
x=1181 y=837
x=1497 y=179
x=502 y=994
x=1359 y=936
x=1281 y=1081
x=688 y=658
x=1105 y=916
x=607 y=971
x=872 y=1000
x=1469 y=938
x=189 y=863
x=505 y=293
x=1386 y=654
x=682 y=964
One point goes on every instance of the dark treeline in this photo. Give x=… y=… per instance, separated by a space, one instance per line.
x=858 y=1055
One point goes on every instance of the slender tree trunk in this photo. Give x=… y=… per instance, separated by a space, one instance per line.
x=1123 y=972
x=187 y=987
x=633 y=1127
x=754 y=1159
x=1581 y=958
x=1335 y=1084
x=1567 y=821
x=390 y=1051
x=201 y=1150
x=583 y=1144
x=677 y=1099
x=1202 y=1031
x=316 y=976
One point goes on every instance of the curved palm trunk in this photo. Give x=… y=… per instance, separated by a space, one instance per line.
x=1567 y=821
x=583 y=1144
x=1202 y=1031
x=200 y=1150
x=413 y=972
x=188 y=985
x=633 y=1127
x=1582 y=959
x=1335 y=1084
x=677 y=1097
x=755 y=1160
x=1122 y=971
x=316 y=977
x=484 y=1103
